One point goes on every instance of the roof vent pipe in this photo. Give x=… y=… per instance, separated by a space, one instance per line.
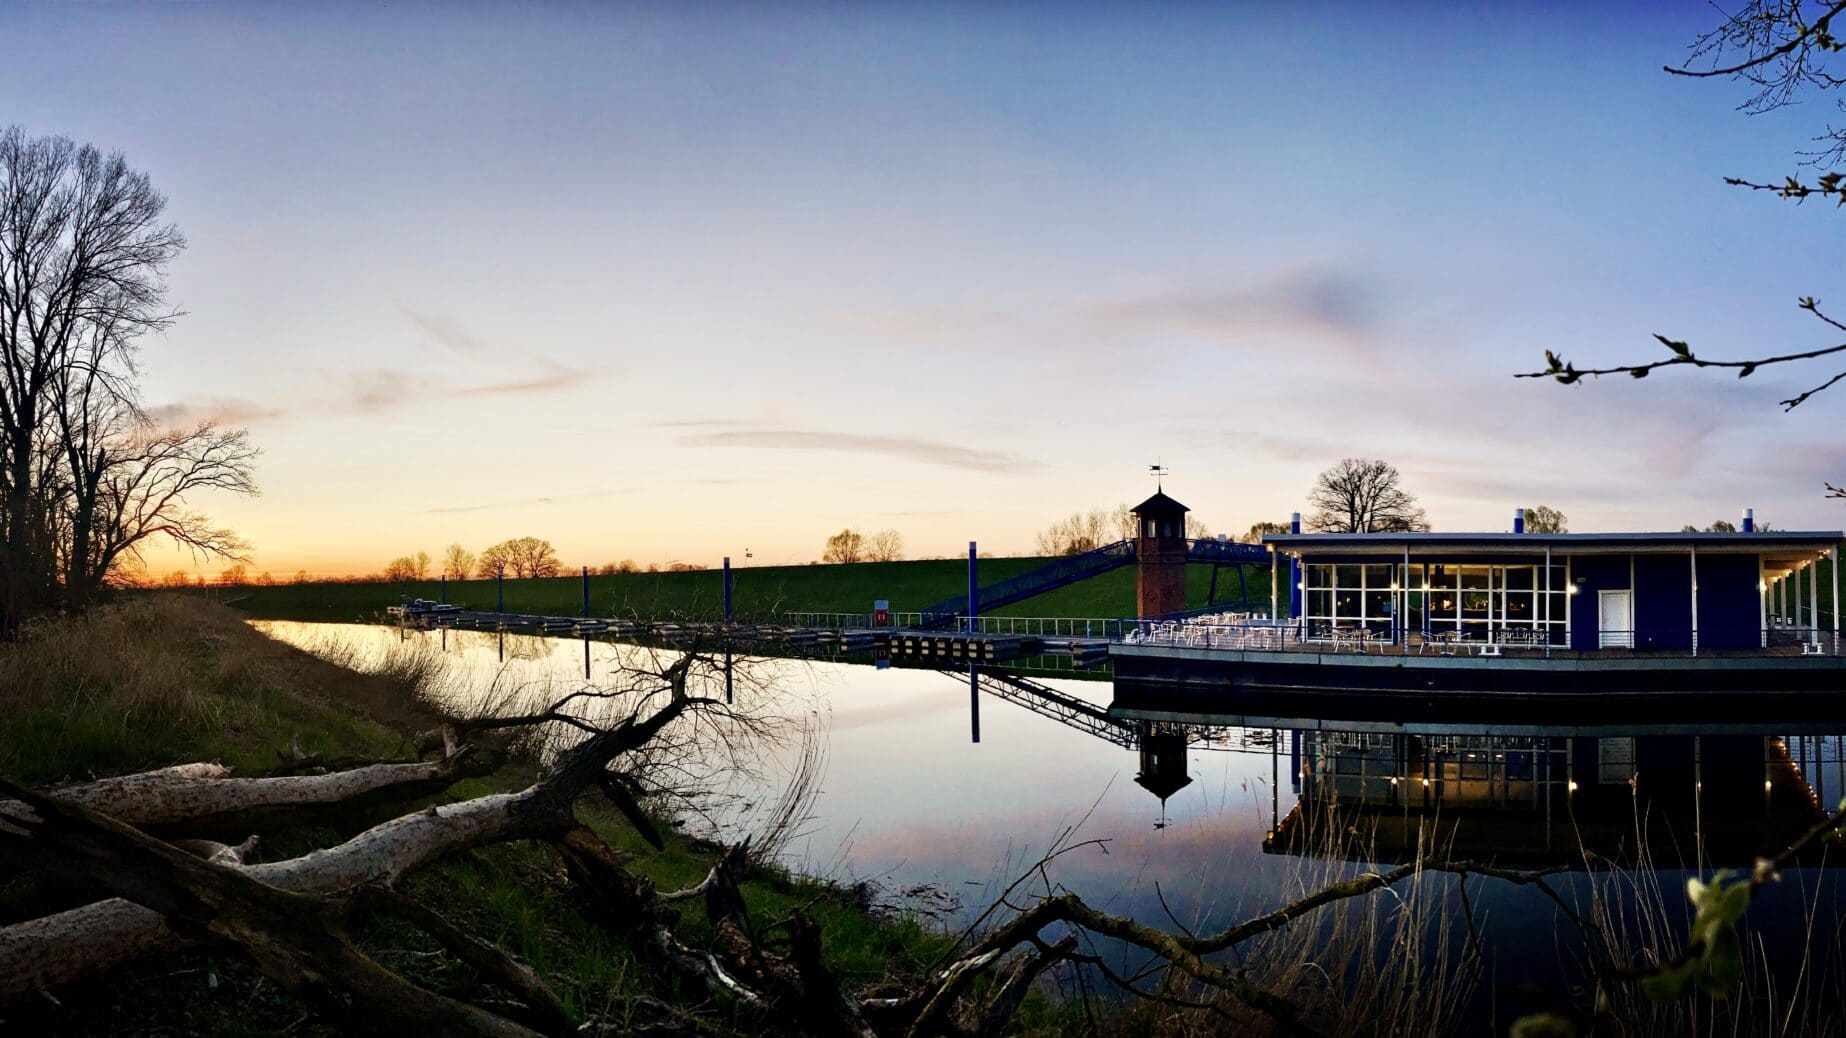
x=1749 y=520
x=1294 y=523
x=1519 y=520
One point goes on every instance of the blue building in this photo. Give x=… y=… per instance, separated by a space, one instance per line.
x=1747 y=591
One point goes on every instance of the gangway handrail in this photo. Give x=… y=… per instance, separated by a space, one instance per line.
x=1049 y=577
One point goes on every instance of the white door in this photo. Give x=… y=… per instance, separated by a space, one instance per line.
x=1615 y=619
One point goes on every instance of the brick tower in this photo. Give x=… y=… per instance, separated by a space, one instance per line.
x=1160 y=555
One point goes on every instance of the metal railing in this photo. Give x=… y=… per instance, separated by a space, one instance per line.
x=1049 y=577
x=1257 y=634
x=1079 y=627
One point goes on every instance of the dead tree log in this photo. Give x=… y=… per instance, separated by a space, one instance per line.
x=298 y=941
x=206 y=798
x=86 y=941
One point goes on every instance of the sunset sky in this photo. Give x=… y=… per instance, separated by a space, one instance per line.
x=669 y=282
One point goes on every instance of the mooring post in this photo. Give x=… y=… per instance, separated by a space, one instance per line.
x=727 y=589
x=974 y=699
x=974 y=591
x=442 y=594
x=586 y=592
x=500 y=591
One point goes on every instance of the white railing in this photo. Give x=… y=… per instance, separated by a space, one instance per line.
x=1025 y=626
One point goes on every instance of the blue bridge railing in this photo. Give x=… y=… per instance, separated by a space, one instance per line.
x=1049 y=577
x=1071 y=569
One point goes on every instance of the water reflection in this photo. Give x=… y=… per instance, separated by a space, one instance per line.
x=1207 y=813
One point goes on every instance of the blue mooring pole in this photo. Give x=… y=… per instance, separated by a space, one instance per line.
x=974 y=587
x=500 y=591
x=586 y=592
x=974 y=700
x=727 y=594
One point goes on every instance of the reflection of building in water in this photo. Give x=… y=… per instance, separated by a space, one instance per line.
x=1536 y=799
x=1163 y=761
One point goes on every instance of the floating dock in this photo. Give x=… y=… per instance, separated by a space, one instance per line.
x=909 y=643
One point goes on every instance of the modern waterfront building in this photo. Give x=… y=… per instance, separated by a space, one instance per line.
x=1668 y=592
x=1562 y=614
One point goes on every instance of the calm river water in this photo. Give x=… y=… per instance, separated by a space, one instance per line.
x=909 y=798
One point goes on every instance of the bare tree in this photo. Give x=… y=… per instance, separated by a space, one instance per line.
x=845 y=546
x=887 y=546
x=1545 y=519
x=457 y=562
x=520 y=557
x=1783 y=50
x=144 y=478
x=85 y=477
x=1363 y=495
x=1258 y=530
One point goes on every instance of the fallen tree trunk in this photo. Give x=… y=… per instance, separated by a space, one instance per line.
x=83 y=942
x=206 y=798
x=299 y=941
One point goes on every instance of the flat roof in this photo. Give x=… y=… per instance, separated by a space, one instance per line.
x=1765 y=539
x=1782 y=551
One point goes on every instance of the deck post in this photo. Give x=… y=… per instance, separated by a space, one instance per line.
x=1401 y=608
x=1545 y=598
x=1272 y=584
x=727 y=589
x=586 y=593
x=500 y=591
x=442 y=594
x=1296 y=574
x=1692 y=554
x=1762 y=602
x=974 y=593
x=1813 y=601
x=1833 y=563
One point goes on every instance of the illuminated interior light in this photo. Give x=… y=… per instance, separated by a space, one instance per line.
x=1573 y=785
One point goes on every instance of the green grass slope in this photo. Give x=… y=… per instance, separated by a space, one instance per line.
x=759 y=592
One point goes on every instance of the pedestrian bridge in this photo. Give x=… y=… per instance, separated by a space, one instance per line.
x=1074 y=568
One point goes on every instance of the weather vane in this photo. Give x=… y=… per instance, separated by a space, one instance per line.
x=1158 y=471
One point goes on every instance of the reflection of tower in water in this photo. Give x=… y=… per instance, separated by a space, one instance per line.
x=1163 y=764
x=1718 y=799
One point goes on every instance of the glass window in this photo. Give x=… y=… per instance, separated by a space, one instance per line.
x=1473 y=577
x=1519 y=578
x=1347 y=577
x=1379 y=577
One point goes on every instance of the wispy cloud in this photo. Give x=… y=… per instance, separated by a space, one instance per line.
x=1331 y=302
x=928 y=452
x=560 y=378
x=226 y=410
x=525 y=502
x=446 y=332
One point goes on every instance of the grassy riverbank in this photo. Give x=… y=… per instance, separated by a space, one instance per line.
x=163 y=679
x=758 y=592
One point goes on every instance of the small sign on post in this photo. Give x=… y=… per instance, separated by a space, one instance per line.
x=881 y=613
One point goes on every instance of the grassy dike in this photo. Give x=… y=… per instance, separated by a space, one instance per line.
x=758 y=592
x=160 y=679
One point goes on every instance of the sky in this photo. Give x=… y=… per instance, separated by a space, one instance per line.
x=673 y=282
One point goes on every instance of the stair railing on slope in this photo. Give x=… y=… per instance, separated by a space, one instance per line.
x=1206 y=549
x=1049 y=577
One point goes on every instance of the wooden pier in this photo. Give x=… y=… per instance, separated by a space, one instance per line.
x=909 y=643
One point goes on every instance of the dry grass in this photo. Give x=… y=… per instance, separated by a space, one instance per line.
x=158 y=679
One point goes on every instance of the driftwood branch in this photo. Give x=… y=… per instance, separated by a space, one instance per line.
x=298 y=941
